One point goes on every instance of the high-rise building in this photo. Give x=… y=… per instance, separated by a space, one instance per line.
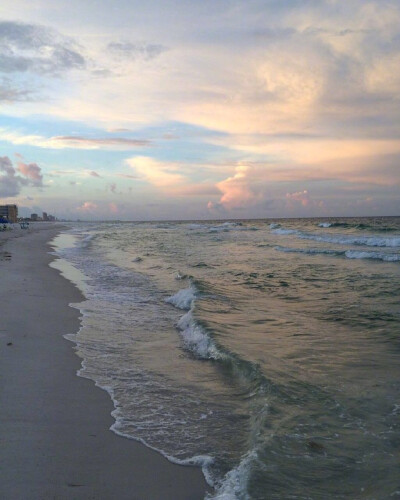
x=9 y=212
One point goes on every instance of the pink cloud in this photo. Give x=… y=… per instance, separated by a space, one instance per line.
x=302 y=198
x=32 y=171
x=87 y=207
x=236 y=190
x=113 y=208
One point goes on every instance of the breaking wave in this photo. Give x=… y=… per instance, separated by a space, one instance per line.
x=350 y=254
x=200 y=342
x=371 y=241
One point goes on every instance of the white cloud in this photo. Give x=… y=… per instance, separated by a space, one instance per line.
x=163 y=175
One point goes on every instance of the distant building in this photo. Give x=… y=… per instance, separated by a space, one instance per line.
x=9 y=212
x=34 y=216
x=44 y=216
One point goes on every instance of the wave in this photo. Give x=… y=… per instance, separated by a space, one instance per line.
x=194 y=227
x=86 y=241
x=194 y=336
x=196 y=339
x=234 y=484
x=357 y=225
x=350 y=254
x=183 y=299
x=387 y=257
x=371 y=241
x=200 y=342
x=231 y=226
x=224 y=227
x=203 y=461
x=310 y=251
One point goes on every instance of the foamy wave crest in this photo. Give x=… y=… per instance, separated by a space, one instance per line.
x=274 y=225
x=194 y=227
x=225 y=227
x=196 y=339
x=85 y=242
x=183 y=298
x=386 y=257
x=234 y=484
x=324 y=224
x=350 y=254
x=371 y=241
x=285 y=231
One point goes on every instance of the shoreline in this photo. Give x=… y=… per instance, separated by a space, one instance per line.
x=55 y=437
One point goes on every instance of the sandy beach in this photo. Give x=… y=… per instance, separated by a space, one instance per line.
x=55 y=441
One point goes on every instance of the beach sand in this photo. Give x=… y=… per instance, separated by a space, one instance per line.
x=55 y=441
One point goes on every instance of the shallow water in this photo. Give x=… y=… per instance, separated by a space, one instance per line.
x=265 y=351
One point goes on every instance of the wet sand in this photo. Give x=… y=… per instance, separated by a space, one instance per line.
x=55 y=441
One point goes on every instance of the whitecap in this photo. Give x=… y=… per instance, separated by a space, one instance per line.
x=386 y=257
x=183 y=298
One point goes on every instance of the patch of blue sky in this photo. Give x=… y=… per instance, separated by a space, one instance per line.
x=45 y=126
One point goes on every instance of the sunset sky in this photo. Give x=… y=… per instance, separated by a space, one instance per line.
x=120 y=109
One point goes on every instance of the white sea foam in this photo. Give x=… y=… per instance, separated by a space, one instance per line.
x=183 y=298
x=85 y=242
x=234 y=484
x=284 y=232
x=387 y=257
x=194 y=227
x=274 y=225
x=350 y=254
x=180 y=276
x=372 y=241
x=196 y=339
x=324 y=224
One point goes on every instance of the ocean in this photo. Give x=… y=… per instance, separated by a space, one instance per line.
x=264 y=351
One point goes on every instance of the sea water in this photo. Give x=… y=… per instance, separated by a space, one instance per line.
x=267 y=352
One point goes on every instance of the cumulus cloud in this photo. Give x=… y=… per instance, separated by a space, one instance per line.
x=251 y=185
x=235 y=189
x=31 y=171
x=88 y=207
x=11 y=183
x=303 y=200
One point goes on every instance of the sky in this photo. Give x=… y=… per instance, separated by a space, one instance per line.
x=211 y=109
